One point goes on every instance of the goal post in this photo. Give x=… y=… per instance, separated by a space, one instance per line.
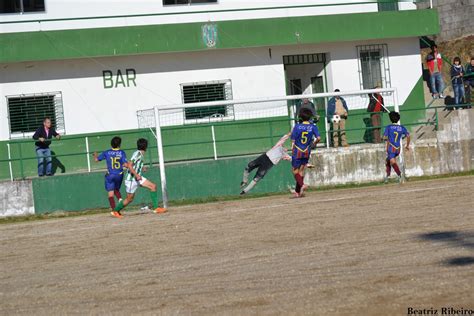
x=231 y=128
x=161 y=158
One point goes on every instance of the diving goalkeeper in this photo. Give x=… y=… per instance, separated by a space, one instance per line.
x=264 y=163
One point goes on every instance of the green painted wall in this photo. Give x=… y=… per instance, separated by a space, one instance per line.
x=70 y=151
x=122 y=41
x=185 y=181
x=414 y=105
x=180 y=143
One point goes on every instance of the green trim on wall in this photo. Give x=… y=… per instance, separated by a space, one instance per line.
x=414 y=101
x=182 y=143
x=185 y=181
x=133 y=40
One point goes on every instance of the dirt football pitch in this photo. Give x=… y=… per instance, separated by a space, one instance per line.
x=366 y=251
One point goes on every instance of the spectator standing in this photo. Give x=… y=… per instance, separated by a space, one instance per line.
x=469 y=81
x=337 y=106
x=306 y=104
x=457 y=73
x=435 y=64
x=376 y=108
x=43 y=152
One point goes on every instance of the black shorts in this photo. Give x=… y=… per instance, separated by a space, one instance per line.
x=263 y=163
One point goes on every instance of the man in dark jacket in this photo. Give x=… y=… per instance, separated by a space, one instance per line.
x=457 y=73
x=469 y=81
x=306 y=104
x=42 y=134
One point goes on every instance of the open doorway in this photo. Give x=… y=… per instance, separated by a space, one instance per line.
x=306 y=74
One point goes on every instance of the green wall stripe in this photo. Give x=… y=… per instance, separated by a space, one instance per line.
x=185 y=181
x=122 y=41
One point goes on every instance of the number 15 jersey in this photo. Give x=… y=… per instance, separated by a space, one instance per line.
x=115 y=159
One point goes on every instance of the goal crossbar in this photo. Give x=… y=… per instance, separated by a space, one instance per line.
x=271 y=99
x=156 y=110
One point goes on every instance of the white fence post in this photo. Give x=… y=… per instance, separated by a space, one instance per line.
x=214 y=142
x=326 y=124
x=161 y=158
x=88 y=154
x=10 y=162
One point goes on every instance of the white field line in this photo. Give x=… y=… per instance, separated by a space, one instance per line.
x=426 y=189
x=333 y=199
x=293 y=203
x=238 y=210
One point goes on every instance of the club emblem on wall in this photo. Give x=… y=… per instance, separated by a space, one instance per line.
x=209 y=35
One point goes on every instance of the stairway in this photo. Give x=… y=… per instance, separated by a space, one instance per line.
x=425 y=132
x=459 y=122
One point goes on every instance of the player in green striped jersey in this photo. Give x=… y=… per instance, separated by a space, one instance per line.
x=134 y=178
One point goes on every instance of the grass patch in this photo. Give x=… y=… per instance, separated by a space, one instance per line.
x=62 y=214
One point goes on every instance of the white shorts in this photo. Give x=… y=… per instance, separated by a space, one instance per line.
x=131 y=186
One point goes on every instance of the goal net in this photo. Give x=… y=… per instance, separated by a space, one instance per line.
x=228 y=128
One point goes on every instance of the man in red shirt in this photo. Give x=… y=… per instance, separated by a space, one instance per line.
x=434 y=62
x=376 y=108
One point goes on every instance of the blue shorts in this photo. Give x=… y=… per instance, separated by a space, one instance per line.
x=113 y=182
x=391 y=155
x=298 y=162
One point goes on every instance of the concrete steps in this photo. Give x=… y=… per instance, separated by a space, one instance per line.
x=425 y=132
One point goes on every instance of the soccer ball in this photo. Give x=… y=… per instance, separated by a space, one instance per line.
x=336 y=118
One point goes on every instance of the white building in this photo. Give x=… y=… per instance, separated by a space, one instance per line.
x=93 y=64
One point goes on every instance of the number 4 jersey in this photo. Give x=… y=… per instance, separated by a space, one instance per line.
x=115 y=159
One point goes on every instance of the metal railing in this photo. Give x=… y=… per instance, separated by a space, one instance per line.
x=212 y=146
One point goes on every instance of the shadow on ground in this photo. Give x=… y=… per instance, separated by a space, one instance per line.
x=455 y=239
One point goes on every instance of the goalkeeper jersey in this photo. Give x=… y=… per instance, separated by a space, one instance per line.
x=278 y=151
x=137 y=160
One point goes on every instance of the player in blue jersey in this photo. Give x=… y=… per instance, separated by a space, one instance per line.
x=304 y=136
x=393 y=136
x=116 y=160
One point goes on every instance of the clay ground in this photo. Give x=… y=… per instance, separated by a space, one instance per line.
x=366 y=251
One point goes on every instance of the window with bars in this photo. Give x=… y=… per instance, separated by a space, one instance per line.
x=207 y=92
x=27 y=112
x=175 y=2
x=374 y=68
x=21 y=6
